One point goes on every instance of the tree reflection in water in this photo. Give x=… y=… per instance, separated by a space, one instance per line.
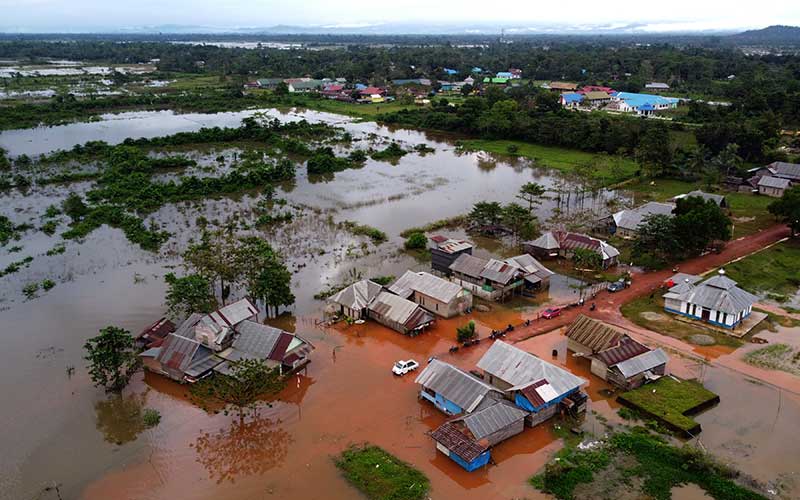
x=120 y=418
x=247 y=447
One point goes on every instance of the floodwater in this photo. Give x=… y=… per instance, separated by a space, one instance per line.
x=60 y=432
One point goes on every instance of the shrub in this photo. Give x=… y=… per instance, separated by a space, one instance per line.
x=48 y=284
x=30 y=290
x=151 y=417
x=466 y=332
x=416 y=241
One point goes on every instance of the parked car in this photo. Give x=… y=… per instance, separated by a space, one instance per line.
x=403 y=367
x=616 y=286
x=551 y=312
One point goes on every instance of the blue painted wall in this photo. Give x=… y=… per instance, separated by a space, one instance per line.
x=442 y=403
x=479 y=462
x=522 y=402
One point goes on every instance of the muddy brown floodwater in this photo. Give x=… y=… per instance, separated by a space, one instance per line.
x=61 y=432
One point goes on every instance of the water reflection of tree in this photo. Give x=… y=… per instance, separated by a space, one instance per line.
x=248 y=447
x=119 y=418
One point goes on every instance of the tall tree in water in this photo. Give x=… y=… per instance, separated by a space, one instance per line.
x=112 y=358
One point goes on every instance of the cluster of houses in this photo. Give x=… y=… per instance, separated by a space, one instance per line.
x=207 y=343
x=564 y=244
x=515 y=389
x=775 y=178
x=606 y=98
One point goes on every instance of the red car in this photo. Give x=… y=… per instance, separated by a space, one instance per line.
x=551 y=312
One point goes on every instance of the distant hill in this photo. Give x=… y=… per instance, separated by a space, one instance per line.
x=773 y=35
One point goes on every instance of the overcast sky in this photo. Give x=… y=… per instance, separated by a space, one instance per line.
x=75 y=15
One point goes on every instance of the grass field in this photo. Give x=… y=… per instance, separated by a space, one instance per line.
x=749 y=212
x=382 y=476
x=669 y=400
x=774 y=271
x=607 y=169
x=776 y=357
x=649 y=313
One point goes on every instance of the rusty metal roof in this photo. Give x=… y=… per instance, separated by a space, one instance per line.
x=627 y=348
x=594 y=334
x=454 y=439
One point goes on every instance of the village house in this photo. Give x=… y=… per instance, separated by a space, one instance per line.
x=439 y=296
x=154 y=335
x=467 y=440
x=615 y=356
x=595 y=99
x=516 y=73
x=596 y=88
x=773 y=186
x=399 y=314
x=277 y=348
x=720 y=200
x=642 y=104
x=444 y=251
x=490 y=279
x=561 y=86
x=305 y=86
x=215 y=330
x=785 y=170
x=625 y=223
x=656 y=87
x=564 y=244
x=570 y=99
x=717 y=300
x=352 y=301
x=531 y=383
x=269 y=83
x=454 y=391
x=534 y=275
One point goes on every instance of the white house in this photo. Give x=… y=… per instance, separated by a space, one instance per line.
x=716 y=300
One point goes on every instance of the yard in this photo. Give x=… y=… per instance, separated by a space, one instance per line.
x=748 y=211
x=649 y=313
x=606 y=170
x=670 y=401
x=776 y=357
x=380 y=475
x=774 y=272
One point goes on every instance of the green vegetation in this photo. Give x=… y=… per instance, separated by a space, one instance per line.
x=449 y=223
x=30 y=290
x=10 y=231
x=189 y=294
x=774 y=271
x=243 y=388
x=787 y=208
x=776 y=357
x=637 y=453
x=150 y=417
x=112 y=358
x=416 y=241
x=376 y=235
x=392 y=152
x=48 y=285
x=16 y=266
x=381 y=476
x=609 y=170
x=649 y=313
x=669 y=400
x=465 y=332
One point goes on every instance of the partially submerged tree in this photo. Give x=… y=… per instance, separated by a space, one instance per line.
x=247 y=382
x=264 y=274
x=519 y=221
x=466 y=332
x=532 y=193
x=416 y=241
x=191 y=293
x=584 y=258
x=215 y=258
x=112 y=358
x=486 y=214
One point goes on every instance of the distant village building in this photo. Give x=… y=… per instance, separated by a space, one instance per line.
x=773 y=186
x=439 y=296
x=494 y=279
x=642 y=104
x=657 y=87
x=444 y=251
x=561 y=86
x=353 y=301
x=625 y=223
x=720 y=200
x=596 y=99
x=553 y=244
x=454 y=391
x=570 y=99
x=717 y=300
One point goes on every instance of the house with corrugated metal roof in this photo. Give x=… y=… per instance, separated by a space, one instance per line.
x=181 y=359
x=353 y=301
x=467 y=440
x=625 y=223
x=399 y=314
x=717 y=300
x=720 y=200
x=454 y=391
x=533 y=384
x=277 y=348
x=534 y=275
x=444 y=251
x=773 y=186
x=552 y=244
x=439 y=296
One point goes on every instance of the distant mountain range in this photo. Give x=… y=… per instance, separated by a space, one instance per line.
x=776 y=35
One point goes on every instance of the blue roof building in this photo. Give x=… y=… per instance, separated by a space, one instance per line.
x=450 y=71
x=477 y=70
x=504 y=74
x=646 y=103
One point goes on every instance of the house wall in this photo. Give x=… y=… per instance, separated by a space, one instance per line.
x=535 y=419
x=715 y=317
x=599 y=369
x=474 y=288
x=445 y=310
x=441 y=402
x=507 y=432
x=770 y=191
x=387 y=322
x=479 y=462
x=575 y=346
x=152 y=364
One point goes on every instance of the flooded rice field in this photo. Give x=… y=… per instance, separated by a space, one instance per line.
x=65 y=439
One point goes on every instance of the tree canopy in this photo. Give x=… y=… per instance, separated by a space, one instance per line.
x=112 y=358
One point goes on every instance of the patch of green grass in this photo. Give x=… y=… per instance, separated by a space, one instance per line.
x=667 y=324
x=382 y=476
x=358 y=110
x=571 y=468
x=775 y=270
x=776 y=357
x=376 y=235
x=669 y=400
x=450 y=223
x=608 y=169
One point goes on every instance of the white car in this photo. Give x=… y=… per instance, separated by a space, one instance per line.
x=403 y=367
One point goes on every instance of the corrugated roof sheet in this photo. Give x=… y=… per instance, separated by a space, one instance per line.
x=594 y=334
x=716 y=198
x=532 y=395
x=427 y=284
x=234 y=313
x=596 y=95
x=786 y=170
x=358 y=295
x=626 y=349
x=499 y=272
x=631 y=218
x=546 y=241
x=492 y=419
x=454 y=384
x=529 y=265
x=774 y=182
x=642 y=363
x=400 y=310
x=718 y=293
x=519 y=368
x=469 y=265
x=178 y=353
x=453 y=438
x=256 y=340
